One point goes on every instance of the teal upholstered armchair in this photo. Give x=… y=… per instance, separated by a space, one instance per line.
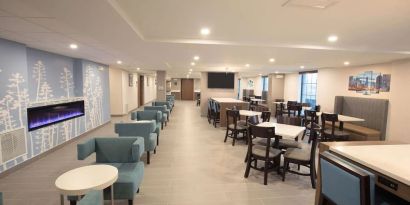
x=171 y=99
x=161 y=103
x=145 y=129
x=165 y=112
x=123 y=153
x=149 y=115
x=92 y=198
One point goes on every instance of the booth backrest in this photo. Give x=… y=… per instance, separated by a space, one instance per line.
x=374 y=111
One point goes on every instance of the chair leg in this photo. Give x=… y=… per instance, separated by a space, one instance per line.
x=235 y=135
x=248 y=165
x=138 y=191
x=162 y=125
x=285 y=168
x=155 y=150
x=313 y=175
x=148 y=157
x=130 y=201
x=226 y=135
x=304 y=133
x=265 y=170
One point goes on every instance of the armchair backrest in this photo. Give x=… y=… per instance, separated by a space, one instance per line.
x=147 y=115
x=161 y=103
x=159 y=108
x=112 y=149
x=138 y=128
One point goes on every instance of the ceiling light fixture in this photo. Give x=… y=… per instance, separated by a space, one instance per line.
x=332 y=38
x=302 y=67
x=193 y=63
x=196 y=58
x=190 y=70
x=73 y=46
x=119 y=62
x=260 y=74
x=205 y=31
x=247 y=65
x=346 y=63
x=276 y=72
x=138 y=68
x=271 y=60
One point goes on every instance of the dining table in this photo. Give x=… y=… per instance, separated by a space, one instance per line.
x=284 y=130
x=344 y=118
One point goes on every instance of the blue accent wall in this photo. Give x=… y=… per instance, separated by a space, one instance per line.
x=31 y=77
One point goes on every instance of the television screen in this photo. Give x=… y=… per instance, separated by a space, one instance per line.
x=43 y=116
x=221 y=80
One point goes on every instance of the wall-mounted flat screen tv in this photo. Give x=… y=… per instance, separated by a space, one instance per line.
x=221 y=80
x=38 y=117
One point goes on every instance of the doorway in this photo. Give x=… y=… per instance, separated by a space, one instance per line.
x=187 y=89
x=141 y=91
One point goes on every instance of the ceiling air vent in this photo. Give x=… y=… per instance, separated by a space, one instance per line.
x=314 y=4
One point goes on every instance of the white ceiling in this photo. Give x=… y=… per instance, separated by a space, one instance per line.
x=164 y=35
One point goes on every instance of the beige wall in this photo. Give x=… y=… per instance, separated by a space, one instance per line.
x=334 y=82
x=197 y=84
x=176 y=84
x=123 y=98
x=150 y=89
x=276 y=89
x=206 y=92
x=291 y=87
x=161 y=85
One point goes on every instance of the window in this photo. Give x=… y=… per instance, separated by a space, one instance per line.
x=265 y=83
x=308 y=88
x=239 y=88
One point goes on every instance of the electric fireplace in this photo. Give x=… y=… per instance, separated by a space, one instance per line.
x=43 y=116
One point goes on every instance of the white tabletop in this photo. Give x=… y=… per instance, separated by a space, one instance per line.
x=249 y=113
x=227 y=100
x=280 y=102
x=81 y=180
x=286 y=131
x=306 y=107
x=257 y=100
x=390 y=160
x=345 y=118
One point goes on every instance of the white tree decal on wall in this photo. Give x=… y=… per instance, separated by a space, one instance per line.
x=93 y=94
x=39 y=73
x=66 y=81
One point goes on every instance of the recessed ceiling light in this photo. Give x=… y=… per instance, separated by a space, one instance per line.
x=247 y=65
x=205 y=31
x=196 y=58
x=260 y=74
x=346 y=63
x=138 y=68
x=193 y=63
x=276 y=72
x=332 y=38
x=119 y=62
x=190 y=70
x=73 y=46
x=271 y=60
x=302 y=67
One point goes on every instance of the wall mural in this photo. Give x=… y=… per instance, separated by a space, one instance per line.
x=47 y=78
x=370 y=82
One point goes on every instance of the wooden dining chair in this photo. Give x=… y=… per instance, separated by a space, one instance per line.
x=265 y=116
x=289 y=143
x=216 y=113
x=279 y=109
x=209 y=114
x=304 y=156
x=294 y=109
x=309 y=117
x=266 y=153
x=332 y=133
x=233 y=128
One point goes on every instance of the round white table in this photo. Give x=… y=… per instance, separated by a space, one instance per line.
x=79 y=181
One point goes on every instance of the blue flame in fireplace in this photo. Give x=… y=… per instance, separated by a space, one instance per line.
x=43 y=116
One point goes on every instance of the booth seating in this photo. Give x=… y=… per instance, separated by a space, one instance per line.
x=92 y=198
x=162 y=103
x=171 y=100
x=345 y=183
x=145 y=129
x=122 y=153
x=373 y=111
x=165 y=113
x=149 y=115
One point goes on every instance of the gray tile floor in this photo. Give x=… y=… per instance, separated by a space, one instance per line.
x=192 y=166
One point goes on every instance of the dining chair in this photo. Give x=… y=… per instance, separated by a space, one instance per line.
x=304 y=156
x=309 y=116
x=279 y=109
x=265 y=116
x=215 y=110
x=209 y=114
x=266 y=153
x=232 y=126
x=332 y=134
x=317 y=108
x=289 y=143
x=294 y=109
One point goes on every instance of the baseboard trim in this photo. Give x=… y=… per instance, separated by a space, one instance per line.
x=31 y=160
